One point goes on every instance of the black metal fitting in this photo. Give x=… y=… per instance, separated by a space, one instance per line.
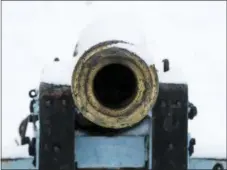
x=33 y=118
x=75 y=52
x=31 y=108
x=192 y=142
x=191 y=150
x=22 y=131
x=32 y=147
x=169 y=124
x=34 y=161
x=57 y=128
x=192 y=111
x=218 y=166
x=32 y=93
x=25 y=140
x=165 y=65
x=56 y=59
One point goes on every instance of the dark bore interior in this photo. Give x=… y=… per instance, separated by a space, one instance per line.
x=115 y=86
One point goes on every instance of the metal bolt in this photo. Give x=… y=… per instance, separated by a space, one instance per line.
x=192 y=111
x=46 y=122
x=56 y=149
x=63 y=102
x=56 y=59
x=218 y=166
x=178 y=104
x=163 y=103
x=170 y=147
x=48 y=131
x=47 y=103
x=192 y=141
x=55 y=159
x=46 y=147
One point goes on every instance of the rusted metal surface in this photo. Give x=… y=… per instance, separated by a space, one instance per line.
x=56 y=137
x=170 y=128
x=83 y=93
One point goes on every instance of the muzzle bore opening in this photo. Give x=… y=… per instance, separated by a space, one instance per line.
x=115 y=86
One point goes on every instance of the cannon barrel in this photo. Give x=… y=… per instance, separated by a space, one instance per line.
x=112 y=86
x=114 y=82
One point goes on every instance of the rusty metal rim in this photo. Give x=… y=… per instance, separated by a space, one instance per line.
x=86 y=104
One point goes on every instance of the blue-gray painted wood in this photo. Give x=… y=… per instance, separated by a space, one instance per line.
x=25 y=164
x=194 y=163
x=149 y=154
x=122 y=151
x=205 y=163
x=128 y=149
x=115 y=152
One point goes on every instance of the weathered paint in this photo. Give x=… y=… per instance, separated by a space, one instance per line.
x=115 y=152
x=25 y=164
x=206 y=163
x=194 y=163
x=129 y=149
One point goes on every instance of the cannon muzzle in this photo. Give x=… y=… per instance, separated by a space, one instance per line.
x=114 y=82
x=112 y=86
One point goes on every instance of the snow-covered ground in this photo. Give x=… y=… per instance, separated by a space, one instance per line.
x=191 y=34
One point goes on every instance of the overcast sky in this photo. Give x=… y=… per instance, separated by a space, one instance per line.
x=191 y=34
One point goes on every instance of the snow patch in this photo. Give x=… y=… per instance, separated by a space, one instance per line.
x=58 y=72
x=110 y=28
x=174 y=75
x=139 y=50
x=124 y=29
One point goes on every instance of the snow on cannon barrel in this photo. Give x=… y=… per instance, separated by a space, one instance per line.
x=112 y=84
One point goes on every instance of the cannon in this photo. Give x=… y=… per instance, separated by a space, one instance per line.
x=104 y=111
x=111 y=111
